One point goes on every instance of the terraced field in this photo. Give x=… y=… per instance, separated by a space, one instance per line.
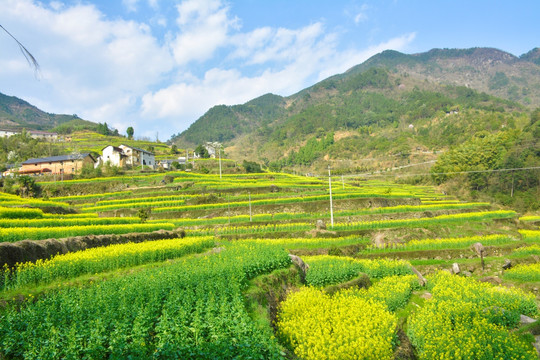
x=250 y=266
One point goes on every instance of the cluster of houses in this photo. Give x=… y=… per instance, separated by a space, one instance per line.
x=120 y=156
x=37 y=134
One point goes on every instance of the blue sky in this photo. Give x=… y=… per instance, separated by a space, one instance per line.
x=158 y=65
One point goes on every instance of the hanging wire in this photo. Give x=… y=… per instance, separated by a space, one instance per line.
x=27 y=55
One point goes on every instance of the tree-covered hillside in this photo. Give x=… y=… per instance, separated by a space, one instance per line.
x=392 y=104
x=16 y=114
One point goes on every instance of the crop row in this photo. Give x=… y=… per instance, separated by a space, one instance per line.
x=277 y=201
x=319 y=326
x=364 y=225
x=315 y=243
x=436 y=244
x=133 y=205
x=530 y=218
x=124 y=193
x=33 y=203
x=311 y=216
x=525 y=272
x=467 y=319
x=530 y=235
x=191 y=309
x=527 y=250
x=96 y=260
x=75 y=221
x=71 y=216
x=327 y=270
x=453 y=218
x=23 y=233
x=16 y=213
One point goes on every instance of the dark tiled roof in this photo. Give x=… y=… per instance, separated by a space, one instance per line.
x=138 y=149
x=58 y=158
x=39 y=132
x=115 y=148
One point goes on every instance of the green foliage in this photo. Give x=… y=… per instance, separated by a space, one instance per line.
x=192 y=309
x=21 y=147
x=499 y=80
x=143 y=213
x=313 y=149
x=251 y=166
x=201 y=151
x=478 y=154
x=129 y=132
x=88 y=171
x=75 y=125
x=470 y=320
x=28 y=187
x=222 y=123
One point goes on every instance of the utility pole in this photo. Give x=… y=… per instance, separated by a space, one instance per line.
x=330 y=188
x=250 y=218
x=219 y=151
x=229 y=209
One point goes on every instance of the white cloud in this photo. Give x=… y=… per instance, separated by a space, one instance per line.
x=184 y=102
x=204 y=26
x=119 y=72
x=86 y=60
x=130 y=5
x=361 y=16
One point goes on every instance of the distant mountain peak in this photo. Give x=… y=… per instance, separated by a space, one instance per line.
x=532 y=56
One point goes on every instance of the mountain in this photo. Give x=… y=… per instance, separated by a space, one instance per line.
x=16 y=114
x=391 y=111
x=487 y=70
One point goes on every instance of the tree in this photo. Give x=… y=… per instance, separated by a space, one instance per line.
x=202 y=152
x=28 y=186
x=251 y=167
x=129 y=132
x=174 y=149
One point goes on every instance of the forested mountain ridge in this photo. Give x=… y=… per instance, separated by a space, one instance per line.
x=487 y=70
x=16 y=113
x=391 y=104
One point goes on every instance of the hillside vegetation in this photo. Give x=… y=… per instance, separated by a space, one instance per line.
x=216 y=269
x=396 y=112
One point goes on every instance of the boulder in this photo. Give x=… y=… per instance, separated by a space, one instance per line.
x=525 y=320
x=320 y=225
x=421 y=279
x=495 y=280
x=296 y=260
x=455 y=268
x=478 y=248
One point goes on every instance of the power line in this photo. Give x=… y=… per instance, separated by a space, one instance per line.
x=450 y=172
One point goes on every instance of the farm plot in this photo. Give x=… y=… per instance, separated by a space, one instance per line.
x=187 y=298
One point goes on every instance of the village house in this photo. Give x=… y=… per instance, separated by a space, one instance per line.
x=7 y=133
x=43 y=135
x=62 y=164
x=114 y=156
x=125 y=155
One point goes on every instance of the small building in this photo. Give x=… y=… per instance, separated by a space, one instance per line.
x=7 y=133
x=62 y=164
x=124 y=155
x=43 y=135
x=114 y=155
x=138 y=157
x=167 y=163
